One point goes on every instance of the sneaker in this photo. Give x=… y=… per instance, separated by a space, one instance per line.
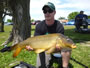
x=7 y=48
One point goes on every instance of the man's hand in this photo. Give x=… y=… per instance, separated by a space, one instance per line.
x=29 y=48
x=58 y=48
x=7 y=48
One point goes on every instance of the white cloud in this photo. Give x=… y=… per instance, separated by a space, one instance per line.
x=36 y=8
x=63 y=7
x=73 y=5
x=7 y=17
x=80 y=4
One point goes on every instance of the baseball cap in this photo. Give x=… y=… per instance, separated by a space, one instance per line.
x=81 y=11
x=50 y=5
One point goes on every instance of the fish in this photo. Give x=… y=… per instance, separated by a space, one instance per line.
x=43 y=43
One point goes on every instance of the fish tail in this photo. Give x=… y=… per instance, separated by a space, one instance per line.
x=18 y=50
x=14 y=46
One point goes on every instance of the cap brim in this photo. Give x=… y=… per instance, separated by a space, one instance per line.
x=45 y=6
x=48 y=7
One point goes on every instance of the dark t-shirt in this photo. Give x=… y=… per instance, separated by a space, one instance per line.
x=42 y=28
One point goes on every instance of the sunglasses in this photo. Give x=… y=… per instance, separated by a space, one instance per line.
x=49 y=11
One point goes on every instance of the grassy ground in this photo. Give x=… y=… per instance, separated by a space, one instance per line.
x=80 y=55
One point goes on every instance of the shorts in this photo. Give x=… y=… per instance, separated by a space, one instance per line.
x=43 y=59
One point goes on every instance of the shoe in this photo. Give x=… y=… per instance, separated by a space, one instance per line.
x=7 y=48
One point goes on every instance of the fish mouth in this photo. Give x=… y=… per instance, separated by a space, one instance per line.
x=73 y=46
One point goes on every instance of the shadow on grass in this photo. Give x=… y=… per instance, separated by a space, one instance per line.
x=77 y=37
x=59 y=62
x=32 y=29
x=83 y=65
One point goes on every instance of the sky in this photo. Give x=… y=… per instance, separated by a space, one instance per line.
x=63 y=8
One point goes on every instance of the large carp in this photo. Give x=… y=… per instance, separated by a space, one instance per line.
x=44 y=43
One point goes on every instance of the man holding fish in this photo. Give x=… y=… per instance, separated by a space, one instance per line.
x=49 y=26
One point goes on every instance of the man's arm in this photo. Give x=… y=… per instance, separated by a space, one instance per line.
x=60 y=28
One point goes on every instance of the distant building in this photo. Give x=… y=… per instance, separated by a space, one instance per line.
x=36 y=22
x=63 y=21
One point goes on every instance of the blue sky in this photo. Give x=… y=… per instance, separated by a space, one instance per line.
x=63 y=7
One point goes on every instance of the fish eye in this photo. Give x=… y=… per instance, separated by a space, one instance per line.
x=68 y=39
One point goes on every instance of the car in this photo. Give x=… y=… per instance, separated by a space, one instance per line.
x=71 y=22
x=33 y=23
x=88 y=20
x=36 y=22
x=9 y=23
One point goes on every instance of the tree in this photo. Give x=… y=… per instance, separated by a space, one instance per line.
x=61 y=18
x=32 y=20
x=21 y=21
x=72 y=15
x=1 y=16
x=9 y=20
x=3 y=12
x=1 y=22
x=89 y=17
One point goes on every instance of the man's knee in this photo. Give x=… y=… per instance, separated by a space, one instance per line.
x=66 y=52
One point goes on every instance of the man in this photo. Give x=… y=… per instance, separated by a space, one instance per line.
x=48 y=26
x=80 y=20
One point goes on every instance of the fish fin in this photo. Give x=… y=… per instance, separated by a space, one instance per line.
x=73 y=46
x=51 y=50
x=39 y=50
x=18 y=50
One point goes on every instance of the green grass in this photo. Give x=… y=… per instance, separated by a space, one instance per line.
x=80 y=54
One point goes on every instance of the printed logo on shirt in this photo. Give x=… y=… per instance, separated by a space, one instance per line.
x=47 y=33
